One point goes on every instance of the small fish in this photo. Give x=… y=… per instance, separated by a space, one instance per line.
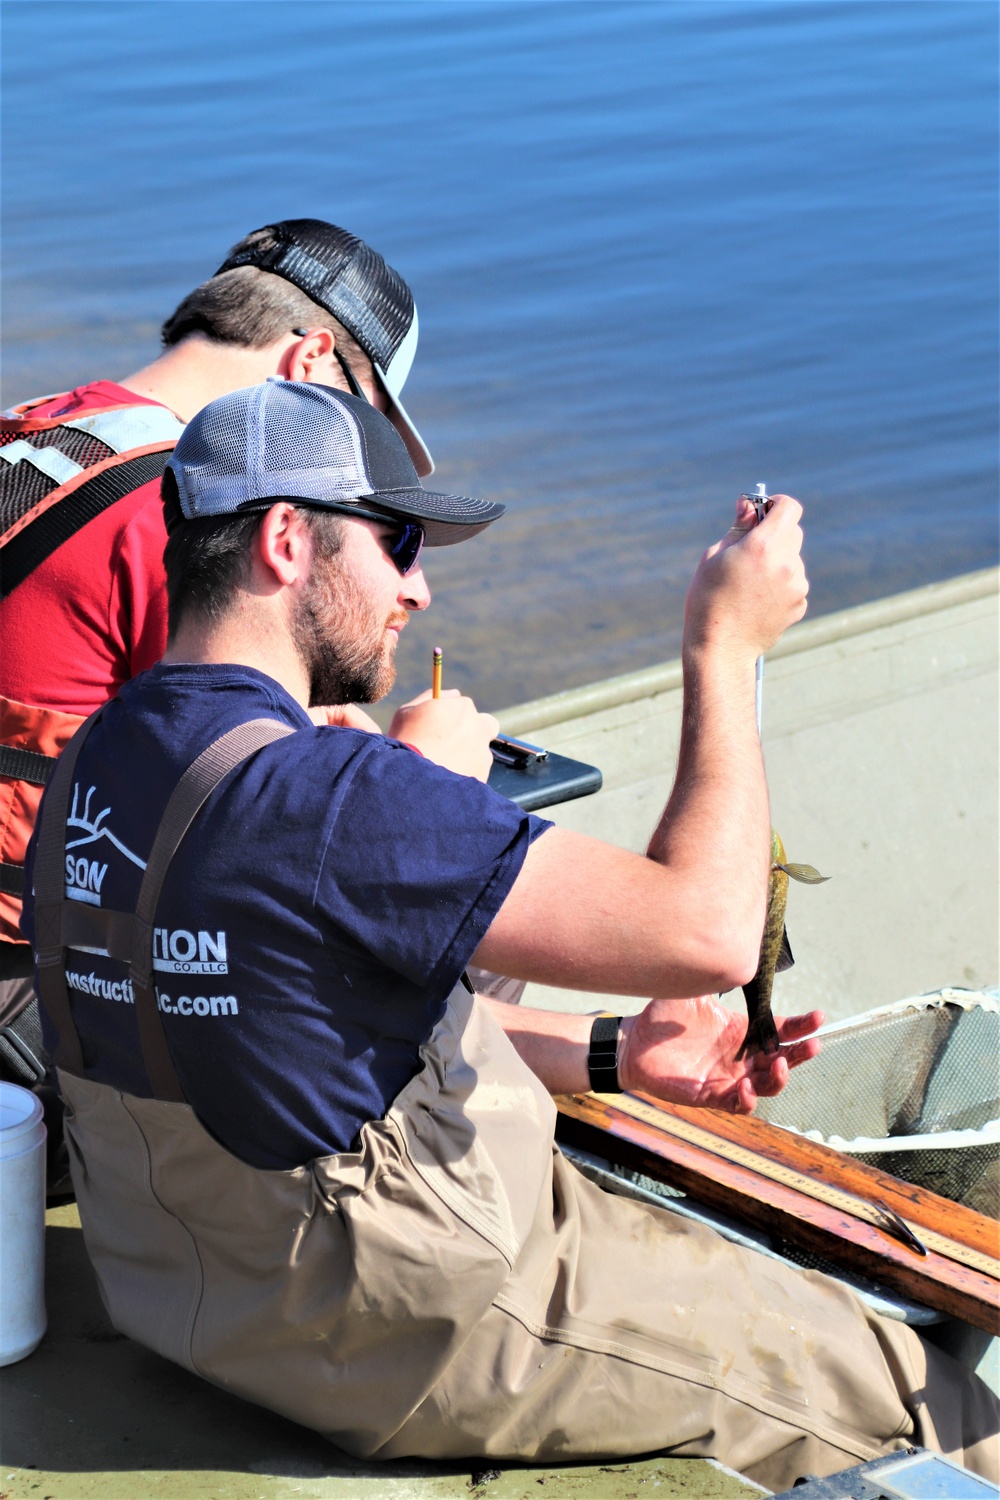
x=775 y=952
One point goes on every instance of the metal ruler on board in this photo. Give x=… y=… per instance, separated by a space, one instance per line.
x=838 y=1198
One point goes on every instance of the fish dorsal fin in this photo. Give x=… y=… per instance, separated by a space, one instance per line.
x=785 y=959
x=806 y=873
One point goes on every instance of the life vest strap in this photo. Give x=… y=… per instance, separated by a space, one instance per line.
x=11 y=879
x=50 y=957
x=41 y=537
x=26 y=765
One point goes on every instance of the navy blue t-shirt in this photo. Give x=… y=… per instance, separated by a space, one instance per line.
x=312 y=924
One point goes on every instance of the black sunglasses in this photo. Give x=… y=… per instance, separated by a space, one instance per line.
x=405 y=545
x=407 y=539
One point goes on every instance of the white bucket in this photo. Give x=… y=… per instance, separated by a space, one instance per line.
x=22 y=1223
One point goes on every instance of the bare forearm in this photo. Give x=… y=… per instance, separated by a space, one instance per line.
x=687 y=919
x=715 y=829
x=681 y=1050
x=554 y=1046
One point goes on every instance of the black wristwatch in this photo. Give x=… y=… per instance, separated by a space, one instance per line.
x=602 y=1060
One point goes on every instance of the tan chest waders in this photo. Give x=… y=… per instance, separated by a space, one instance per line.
x=454 y=1288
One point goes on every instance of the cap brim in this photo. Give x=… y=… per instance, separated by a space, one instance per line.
x=446 y=519
x=415 y=446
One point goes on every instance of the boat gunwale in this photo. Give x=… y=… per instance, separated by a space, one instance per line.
x=664 y=677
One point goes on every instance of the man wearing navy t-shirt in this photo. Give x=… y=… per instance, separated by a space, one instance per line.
x=310 y=1165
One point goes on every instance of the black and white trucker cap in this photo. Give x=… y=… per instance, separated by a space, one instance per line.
x=353 y=282
x=288 y=439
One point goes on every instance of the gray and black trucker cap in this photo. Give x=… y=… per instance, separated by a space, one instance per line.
x=289 y=439
x=353 y=282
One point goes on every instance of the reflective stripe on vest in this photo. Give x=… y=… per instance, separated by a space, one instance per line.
x=43 y=459
x=118 y=427
x=56 y=475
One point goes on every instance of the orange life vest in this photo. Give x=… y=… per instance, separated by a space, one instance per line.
x=56 y=474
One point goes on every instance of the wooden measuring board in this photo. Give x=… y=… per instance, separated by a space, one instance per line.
x=804 y=1193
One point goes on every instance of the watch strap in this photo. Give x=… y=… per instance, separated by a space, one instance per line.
x=602 y=1059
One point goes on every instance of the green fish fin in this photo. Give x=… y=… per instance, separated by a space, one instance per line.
x=806 y=873
x=785 y=959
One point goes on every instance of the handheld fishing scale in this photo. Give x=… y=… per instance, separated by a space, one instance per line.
x=761 y=502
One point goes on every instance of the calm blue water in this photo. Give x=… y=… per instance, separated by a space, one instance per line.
x=660 y=252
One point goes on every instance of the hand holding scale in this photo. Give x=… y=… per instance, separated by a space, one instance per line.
x=775 y=952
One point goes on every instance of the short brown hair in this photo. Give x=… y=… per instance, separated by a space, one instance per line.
x=253 y=308
x=207 y=560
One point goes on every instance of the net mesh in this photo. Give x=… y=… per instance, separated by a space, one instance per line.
x=911 y=1072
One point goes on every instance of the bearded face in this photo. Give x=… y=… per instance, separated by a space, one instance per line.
x=340 y=632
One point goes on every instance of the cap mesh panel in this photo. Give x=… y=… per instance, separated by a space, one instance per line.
x=312 y=442
x=342 y=274
x=252 y=445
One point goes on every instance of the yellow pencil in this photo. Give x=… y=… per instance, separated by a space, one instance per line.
x=436 y=673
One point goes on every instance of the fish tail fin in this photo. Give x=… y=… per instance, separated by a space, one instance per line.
x=762 y=1036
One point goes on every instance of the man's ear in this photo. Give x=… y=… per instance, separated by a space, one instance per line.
x=309 y=358
x=283 y=553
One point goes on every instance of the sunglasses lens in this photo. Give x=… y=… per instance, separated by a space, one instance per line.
x=406 y=548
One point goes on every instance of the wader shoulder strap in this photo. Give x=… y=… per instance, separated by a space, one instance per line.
x=188 y=797
x=50 y=885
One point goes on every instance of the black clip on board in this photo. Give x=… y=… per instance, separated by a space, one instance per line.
x=535 y=778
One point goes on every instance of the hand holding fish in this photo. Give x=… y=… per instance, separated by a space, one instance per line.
x=751 y=585
x=686 y=1052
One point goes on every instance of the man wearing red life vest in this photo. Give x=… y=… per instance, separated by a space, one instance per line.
x=82 y=600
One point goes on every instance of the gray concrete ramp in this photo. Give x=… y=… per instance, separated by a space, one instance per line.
x=93 y=1416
